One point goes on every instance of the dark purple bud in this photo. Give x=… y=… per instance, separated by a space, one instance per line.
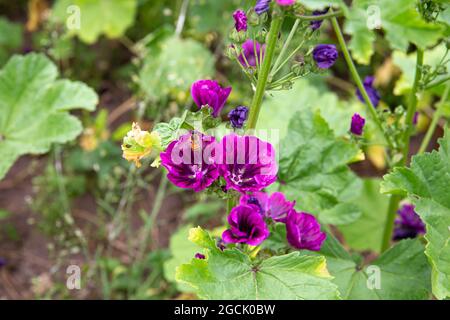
x=262 y=6
x=246 y=226
x=220 y=244
x=251 y=50
x=238 y=116
x=415 y=118
x=373 y=94
x=210 y=93
x=199 y=256
x=315 y=24
x=303 y=231
x=240 y=20
x=325 y=55
x=357 y=125
x=408 y=223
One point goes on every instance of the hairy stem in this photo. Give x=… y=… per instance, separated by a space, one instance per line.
x=285 y=46
x=275 y=27
x=437 y=114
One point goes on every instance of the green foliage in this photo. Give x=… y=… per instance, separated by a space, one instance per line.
x=403 y=272
x=366 y=232
x=97 y=17
x=231 y=274
x=313 y=170
x=427 y=183
x=173 y=65
x=4 y=214
x=206 y=16
x=10 y=38
x=35 y=108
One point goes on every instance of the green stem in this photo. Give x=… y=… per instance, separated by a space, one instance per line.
x=275 y=27
x=437 y=114
x=285 y=46
x=357 y=79
x=394 y=201
x=438 y=82
x=330 y=14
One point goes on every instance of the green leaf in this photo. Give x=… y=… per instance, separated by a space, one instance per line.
x=427 y=183
x=230 y=274
x=403 y=271
x=97 y=17
x=168 y=131
x=10 y=38
x=35 y=108
x=4 y=214
x=313 y=170
x=366 y=232
x=207 y=16
x=174 y=66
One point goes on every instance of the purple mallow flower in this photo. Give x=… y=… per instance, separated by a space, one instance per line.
x=246 y=226
x=408 y=224
x=285 y=2
x=274 y=206
x=373 y=94
x=209 y=92
x=247 y=163
x=325 y=55
x=249 y=55
x=357 y=124
x=315 y=24
x=240 y=20
x=238 y=116
x=303 y=231
x=188 y=162
x=262 y=6
x=199 y=256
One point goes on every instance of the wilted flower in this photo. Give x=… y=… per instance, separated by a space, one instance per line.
x=262 y=6
x=246 y=226
x=285 y=2
x=238 y=116
x=325 y=55
x=247 y=163
x=138 y=144
x=373 y=94
x=240 y=20
x=303 y=231
x=408 y=224
x=357 y=124
x=275 y=207
x=199 y=256
x=249 y=55
x=188 y=162
x=210 y=93
x=315 y=24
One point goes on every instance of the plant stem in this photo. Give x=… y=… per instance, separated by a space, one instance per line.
x=181 y=18
x=394 y=201
x=437 y=82
x=434 y=121
x=275 y=27
x=330 y=14
x=357 y=79
x=285 y=46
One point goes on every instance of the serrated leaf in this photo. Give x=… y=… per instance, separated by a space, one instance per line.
x=230 y=274
x=402 y=271
x=313 y=169
x=174 y=66
x=97 y=17
x=427 y=183
x=168 y=131
x=34 y=108
x=361 y=43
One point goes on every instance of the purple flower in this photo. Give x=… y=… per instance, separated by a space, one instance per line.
x=315 y=24
x=325 y=55
x=246 y=226
x=240 y=20
x=357 y=124
x=303 y=231
x=209 y=92
x=408 y=223
x=248 y=56
x=275 y=207
x=247 y=163
x=190 y=161
x=285 y=2
x=374 y=96
x=199 y=256
x=262 y=6
x=238 y=116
